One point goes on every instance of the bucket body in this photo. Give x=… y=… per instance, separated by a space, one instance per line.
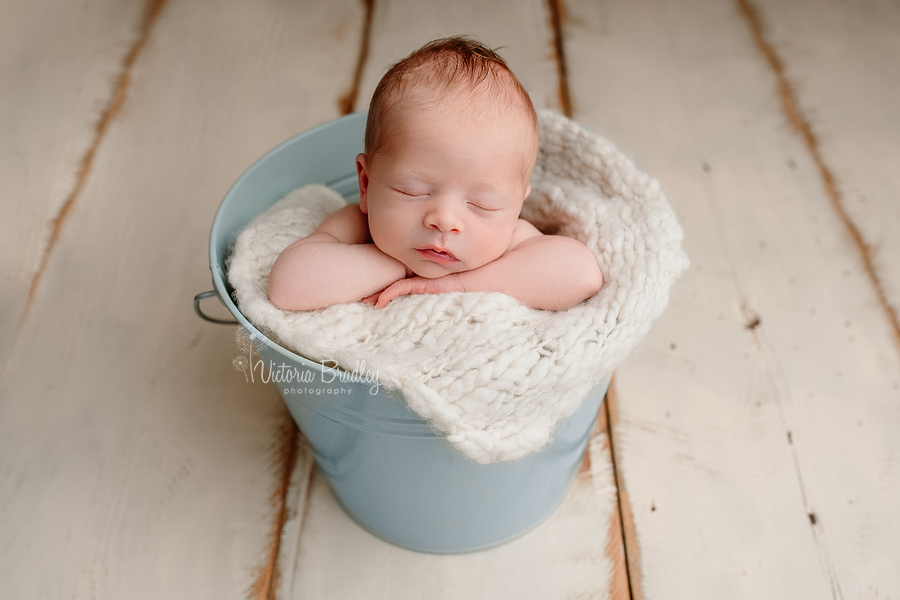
x=388 y=469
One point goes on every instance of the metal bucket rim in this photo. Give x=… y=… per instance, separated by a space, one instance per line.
x=217 y=269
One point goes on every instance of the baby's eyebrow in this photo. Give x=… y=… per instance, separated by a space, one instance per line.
x=492 y=190
x=485 y=196
x=406 y=175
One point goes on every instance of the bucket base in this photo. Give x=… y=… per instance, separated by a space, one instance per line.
x=429 y=549
x=402 y=482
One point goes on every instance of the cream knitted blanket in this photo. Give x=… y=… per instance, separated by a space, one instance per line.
x=492 y=374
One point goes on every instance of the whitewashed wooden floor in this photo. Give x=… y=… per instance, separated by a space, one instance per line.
x=755 y=434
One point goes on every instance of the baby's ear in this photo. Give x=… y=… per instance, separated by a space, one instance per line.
x=363 y=174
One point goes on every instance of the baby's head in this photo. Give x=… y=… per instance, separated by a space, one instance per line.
x=451 y=141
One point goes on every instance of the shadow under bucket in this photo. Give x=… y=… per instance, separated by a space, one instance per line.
x=389 y=470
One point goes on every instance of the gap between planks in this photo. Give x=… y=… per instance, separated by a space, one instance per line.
x=347 y=102
x=799 y=122
x=286 y=457
x=795 y=116
x=266 y=585
x=152 y=11
x=557 y=12
x=620 y=582
x=626 y=528
x=752 y=322
x=622 y=525
x=801 y=125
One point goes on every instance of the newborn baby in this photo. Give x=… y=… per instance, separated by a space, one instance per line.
x=451 y=140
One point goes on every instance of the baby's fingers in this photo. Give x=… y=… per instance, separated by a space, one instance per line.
x=398 y=288
x=385 y=298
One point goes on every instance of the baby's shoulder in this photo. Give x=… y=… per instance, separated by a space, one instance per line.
x=523 y=231
x=348 y=225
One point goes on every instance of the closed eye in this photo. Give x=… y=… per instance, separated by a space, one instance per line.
x=410 y=194
x=483 y=207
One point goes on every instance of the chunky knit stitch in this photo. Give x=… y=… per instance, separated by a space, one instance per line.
x=492 y=374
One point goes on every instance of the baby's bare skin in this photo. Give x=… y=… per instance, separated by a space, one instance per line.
x=438 y=212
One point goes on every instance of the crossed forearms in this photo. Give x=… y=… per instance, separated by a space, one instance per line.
x=546 y=272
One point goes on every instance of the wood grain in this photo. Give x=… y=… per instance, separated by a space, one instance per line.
x=629 y=549
x=753 y=434
x=520 y=30
x=578 y=552
x=840 y=61
x=135 y=461
x=798 y=119
x=754 y=431
x=60 y=65
x=568 y=556
x=622 y=546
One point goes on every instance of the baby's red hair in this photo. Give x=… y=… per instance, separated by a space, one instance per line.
x=458 y=64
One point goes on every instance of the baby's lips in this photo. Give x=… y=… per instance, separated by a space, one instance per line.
x=437 y=254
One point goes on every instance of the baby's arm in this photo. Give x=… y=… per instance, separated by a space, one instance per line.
x=336 y=264
x=548 y=272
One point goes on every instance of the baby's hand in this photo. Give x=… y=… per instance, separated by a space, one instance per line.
x=415 y=285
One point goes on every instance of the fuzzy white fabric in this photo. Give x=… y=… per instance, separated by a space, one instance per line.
x=491 y=373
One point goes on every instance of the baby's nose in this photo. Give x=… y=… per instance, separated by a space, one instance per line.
x=443 y=218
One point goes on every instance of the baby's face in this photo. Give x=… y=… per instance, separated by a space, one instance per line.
x=444 y=191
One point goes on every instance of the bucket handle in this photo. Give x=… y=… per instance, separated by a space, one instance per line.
x=204 y=316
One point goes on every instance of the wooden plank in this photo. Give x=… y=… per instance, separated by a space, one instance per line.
x=840 y=62
x=519 y=29
x=854 y=137
x=768 y=391
x=565 y=557
x=135 y=462
x=59 y=67
x=578 y=552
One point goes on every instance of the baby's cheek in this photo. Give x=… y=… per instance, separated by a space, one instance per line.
x=500 y=246
x=382 y=238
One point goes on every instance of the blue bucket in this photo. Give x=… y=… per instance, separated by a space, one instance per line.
x=390 y=471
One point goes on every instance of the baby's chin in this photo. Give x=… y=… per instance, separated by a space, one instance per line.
x=432 y=271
